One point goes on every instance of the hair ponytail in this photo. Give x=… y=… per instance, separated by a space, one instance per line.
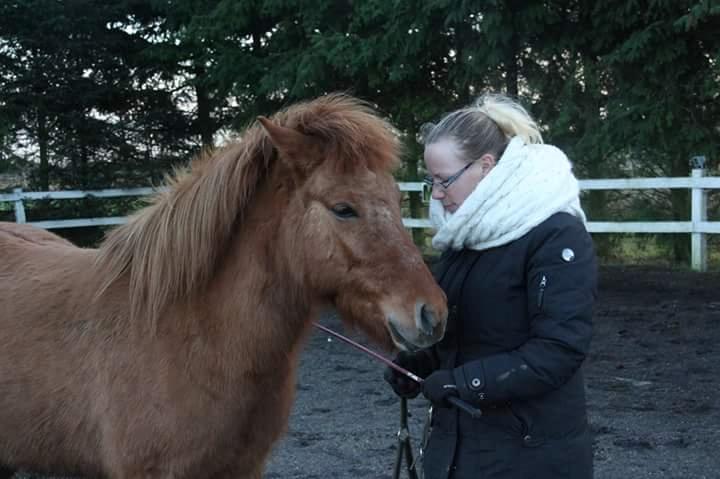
x=510 y=117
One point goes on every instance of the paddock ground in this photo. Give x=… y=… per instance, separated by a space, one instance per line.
x=652 y=381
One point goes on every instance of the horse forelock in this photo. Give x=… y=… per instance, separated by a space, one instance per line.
x=353 y=134
x=170 y=250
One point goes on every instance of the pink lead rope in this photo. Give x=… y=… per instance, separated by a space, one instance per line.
x=455 y=401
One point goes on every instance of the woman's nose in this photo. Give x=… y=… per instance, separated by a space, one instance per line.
x=437 y=192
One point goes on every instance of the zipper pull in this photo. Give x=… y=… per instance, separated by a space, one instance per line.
x=541 y=292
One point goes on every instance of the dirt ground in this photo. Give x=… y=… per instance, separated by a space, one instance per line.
x=653 y=389
x=652 y=380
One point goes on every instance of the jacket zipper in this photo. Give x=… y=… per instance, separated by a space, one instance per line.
x=541 y=292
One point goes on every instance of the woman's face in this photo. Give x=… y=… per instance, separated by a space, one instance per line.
x=445 y=165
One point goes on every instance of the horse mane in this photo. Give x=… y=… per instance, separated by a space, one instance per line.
x=172 y=248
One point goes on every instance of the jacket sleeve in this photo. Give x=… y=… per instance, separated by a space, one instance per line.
x=561 y=283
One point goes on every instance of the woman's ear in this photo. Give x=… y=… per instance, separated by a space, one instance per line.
x=487 y=163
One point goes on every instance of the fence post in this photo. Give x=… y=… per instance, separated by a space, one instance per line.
x=698 y=240
x=19 y=207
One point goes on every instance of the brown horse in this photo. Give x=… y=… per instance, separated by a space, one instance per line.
x=170 y=352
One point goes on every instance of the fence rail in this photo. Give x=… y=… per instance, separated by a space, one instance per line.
x=698 y=226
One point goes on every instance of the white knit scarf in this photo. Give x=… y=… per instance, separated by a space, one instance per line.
x=529 y=184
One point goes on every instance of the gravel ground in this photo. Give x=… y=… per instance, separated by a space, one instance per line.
x=653 y=390
x=651 y=376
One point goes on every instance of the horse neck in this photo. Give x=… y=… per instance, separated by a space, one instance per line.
x=262 y=310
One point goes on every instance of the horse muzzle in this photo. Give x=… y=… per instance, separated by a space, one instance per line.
x=428 y=327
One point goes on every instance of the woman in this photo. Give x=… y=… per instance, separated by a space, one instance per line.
x=519 y=271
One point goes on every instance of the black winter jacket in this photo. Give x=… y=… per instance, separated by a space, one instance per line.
x=518 y=332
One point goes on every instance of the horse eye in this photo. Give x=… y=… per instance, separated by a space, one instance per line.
x=344 y=211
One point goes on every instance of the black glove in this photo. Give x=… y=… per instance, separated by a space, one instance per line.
x=439 y=386
x=421 y=363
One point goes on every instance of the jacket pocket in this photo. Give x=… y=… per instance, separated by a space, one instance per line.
x=500 y=422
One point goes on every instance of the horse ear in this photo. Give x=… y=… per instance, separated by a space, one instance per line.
x=294 y=147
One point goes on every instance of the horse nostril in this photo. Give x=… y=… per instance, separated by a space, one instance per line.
x=427 y=321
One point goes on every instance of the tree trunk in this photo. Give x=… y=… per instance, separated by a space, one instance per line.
x=204 y=107
x=42 y=134
x=681 y=212
x=83 y=167
x=416 y=204
x=596 y=166
x=512 y=67
x=512 y=54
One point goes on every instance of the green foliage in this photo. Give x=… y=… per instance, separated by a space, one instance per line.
x=97 y=93
x=77 y=95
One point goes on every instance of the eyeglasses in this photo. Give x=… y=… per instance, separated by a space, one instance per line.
x=445 y=184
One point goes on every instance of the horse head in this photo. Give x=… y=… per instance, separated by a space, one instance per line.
x=342 y=225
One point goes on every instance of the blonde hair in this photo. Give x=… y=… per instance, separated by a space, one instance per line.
x=485 y=127
x=511 y=117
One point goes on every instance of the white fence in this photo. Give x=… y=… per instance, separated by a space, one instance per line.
x=698 y=226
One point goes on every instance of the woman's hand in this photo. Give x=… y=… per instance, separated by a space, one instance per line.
x=420 y=363
x=439 y=385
